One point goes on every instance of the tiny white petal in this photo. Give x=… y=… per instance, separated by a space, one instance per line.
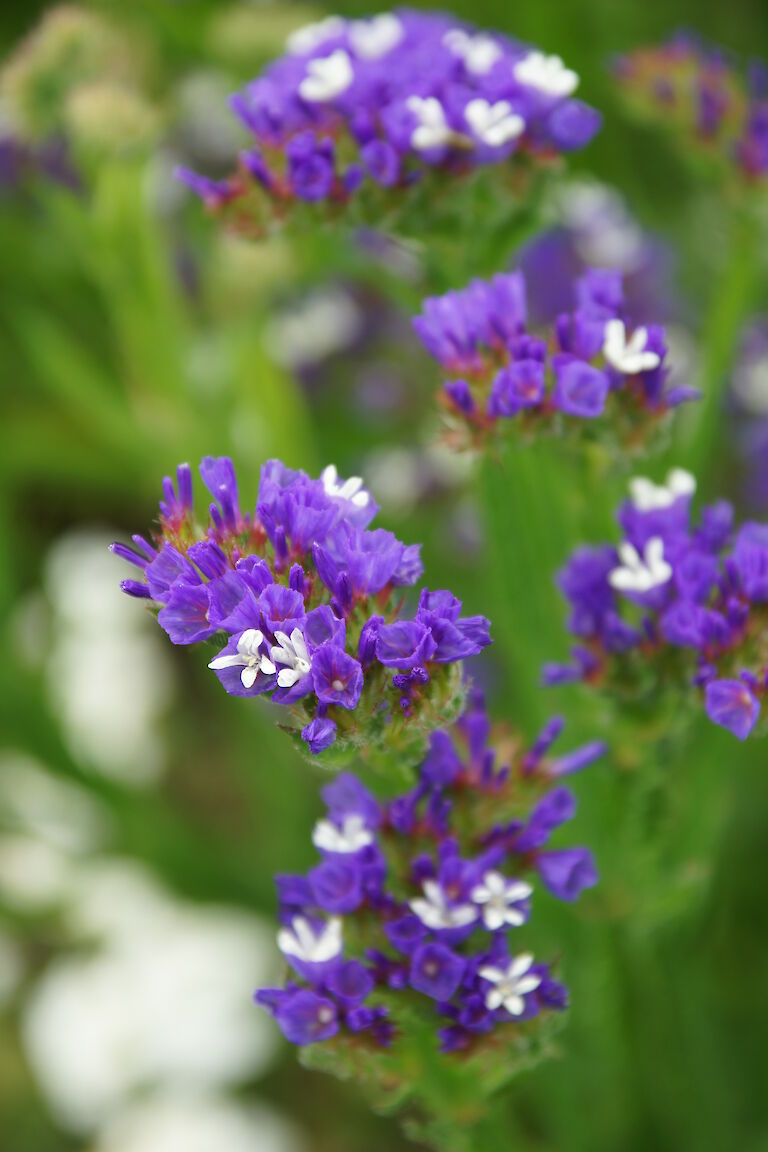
x=327 y=77
x=548 y=74
x=248 y=677
x=372 y=39
x=231 y=660
x=311 y=36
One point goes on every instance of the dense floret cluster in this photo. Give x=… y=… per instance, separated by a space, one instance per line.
x=591 y=364
x=307 y=602
x=678 y=603
x=710 y=102
x=409 y=922
x=381 y=103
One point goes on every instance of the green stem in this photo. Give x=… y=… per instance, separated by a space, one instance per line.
x=732 y=302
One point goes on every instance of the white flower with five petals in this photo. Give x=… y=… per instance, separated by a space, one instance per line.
x=436 y=912
x=628 y=356
x=548 y=74
x=638 y=573
x=432 y=131
x=248 y=656
x=494 y=124
x=499 y=898
x=311 y=945
x=372 y=39
x=351 y=489
x=510 y=984
x=291 y=653
x=352 y=836
x=650 y=497
x=327 y=77
x=479 y=53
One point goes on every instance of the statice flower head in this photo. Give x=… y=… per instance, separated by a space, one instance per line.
x=304 y=602
x=591 y=374
x=366 y=109
x=677 y=605
x=717 y=110
x=411 y=929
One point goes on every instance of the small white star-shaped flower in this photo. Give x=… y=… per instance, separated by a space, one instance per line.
x=434 y=910
x=494 y=124
x=313 y=946
x=351 y=489
x=499 y=897
x=311 y=36
x=641 y=573
x=352 y=836
x=327 y=77
x=510 y=985
x=372 y=39
x=432 y=130
x=291 y=652
x=249 y=656
x=628 y=356
x=546 y=73
x=479 y=53
x=649 y=497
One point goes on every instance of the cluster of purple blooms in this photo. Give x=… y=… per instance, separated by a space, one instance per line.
x=695 y=88
x=415 y=902
x=306 y=600
x=678 y=601
x=591 y=361
x=381 y=101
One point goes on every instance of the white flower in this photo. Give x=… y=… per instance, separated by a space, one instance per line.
x=432 y=130
x=351 y=489
x=547 y=73
x=311 y=36
x=312 y=946
x=510 y=985
x=641 y=573
x=351 y=837
x=494 y=124
x=435 y=912
x=327 y=77
x=479 y=53
x=498 y=895
x=628 y=356
x=292 y=653
x=374 y=38
x=248 y=655
x=649 y=497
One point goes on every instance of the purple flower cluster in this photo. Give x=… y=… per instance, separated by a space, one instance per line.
x=305 y=598
x=379 y=102
x=591 y=362
x=412 y=909
x=695 y=89
x=678 y=602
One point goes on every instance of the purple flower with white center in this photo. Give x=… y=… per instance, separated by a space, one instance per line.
x=308 y=948
x=510 y=985
x=248 y=657
x=502 y=901
x=365 y=108
x=591 y=363
x=436 y=971
x=686 y=596
x=429 y=898
x=303 y=598
x=351 y=836
x=437 y=911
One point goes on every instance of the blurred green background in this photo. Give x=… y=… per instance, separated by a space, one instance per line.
x=142 y=812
